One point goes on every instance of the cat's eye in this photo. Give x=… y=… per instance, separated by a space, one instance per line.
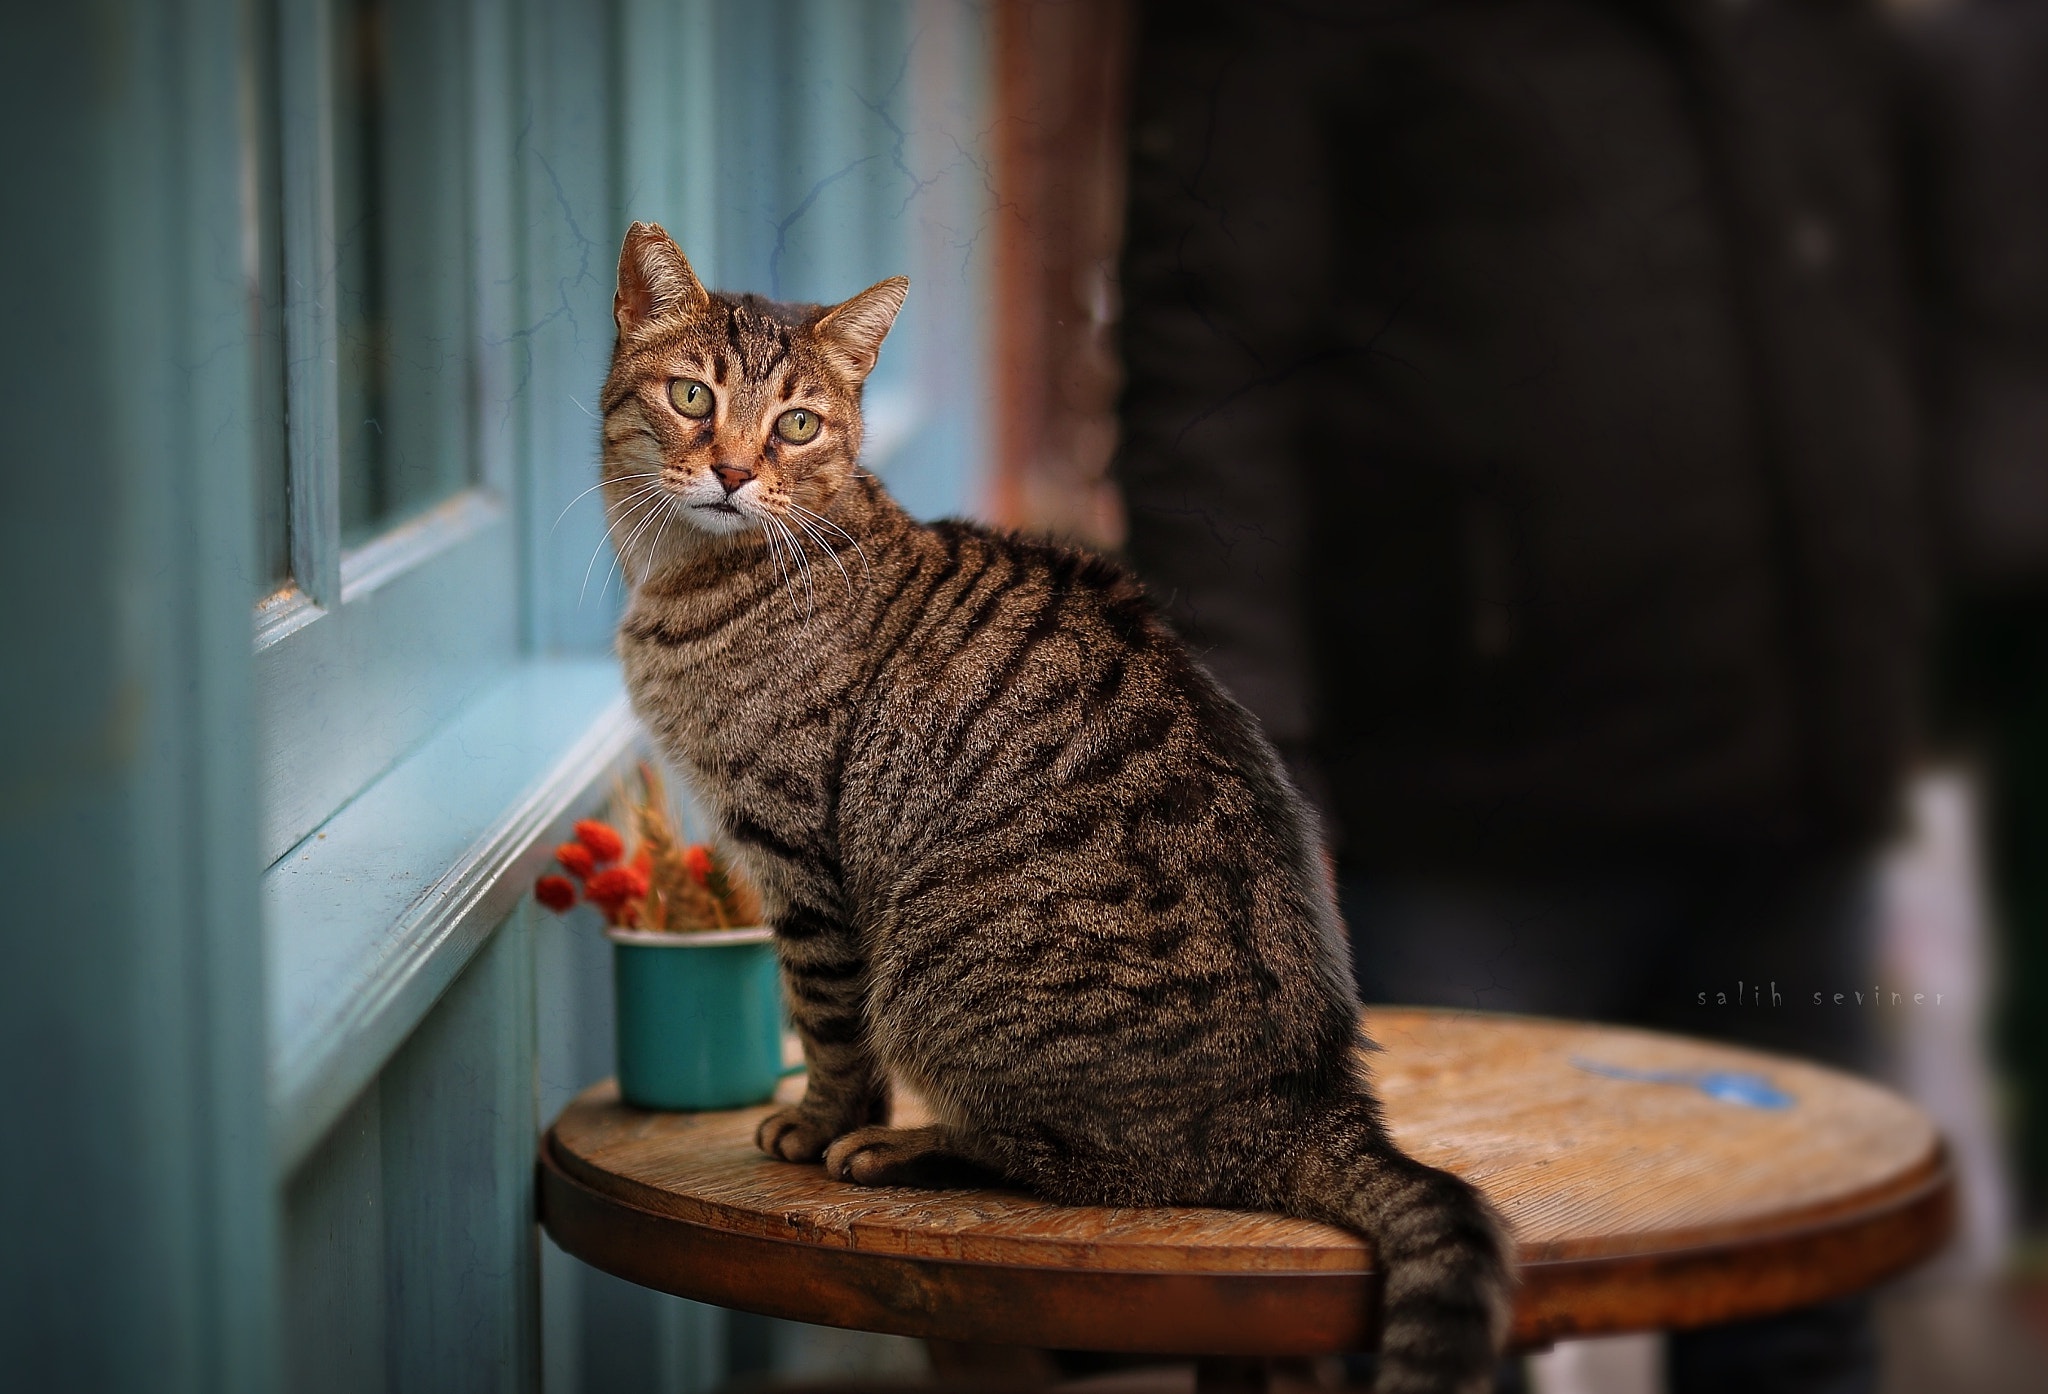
x=691 y=397
x=797 y=425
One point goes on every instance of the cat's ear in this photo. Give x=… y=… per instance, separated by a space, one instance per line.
x=851 y=332
x=654 y=279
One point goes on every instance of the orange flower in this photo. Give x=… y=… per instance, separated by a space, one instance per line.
x=602 y=839
x=697 y=861
x=616 y=886
x=577 y=858
x=558 y=893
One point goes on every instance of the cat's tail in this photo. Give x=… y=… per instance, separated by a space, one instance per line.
x=1441 y=1246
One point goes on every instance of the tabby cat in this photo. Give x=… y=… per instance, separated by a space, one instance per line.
x=1018 y=849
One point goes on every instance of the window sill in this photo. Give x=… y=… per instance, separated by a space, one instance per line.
x=370 y=918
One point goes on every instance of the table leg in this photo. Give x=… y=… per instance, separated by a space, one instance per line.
x=1232 y=1374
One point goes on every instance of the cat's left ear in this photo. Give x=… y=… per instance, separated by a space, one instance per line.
x=851 y=332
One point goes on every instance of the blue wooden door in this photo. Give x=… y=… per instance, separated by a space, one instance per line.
x=309 y=300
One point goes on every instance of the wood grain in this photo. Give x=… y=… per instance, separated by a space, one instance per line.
x=1636 y=1204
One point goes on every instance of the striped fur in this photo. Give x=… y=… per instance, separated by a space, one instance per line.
x=1020 y=851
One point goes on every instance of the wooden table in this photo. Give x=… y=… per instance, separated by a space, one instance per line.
x=1644 y=1192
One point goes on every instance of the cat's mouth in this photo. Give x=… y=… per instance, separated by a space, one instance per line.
x=716 y=508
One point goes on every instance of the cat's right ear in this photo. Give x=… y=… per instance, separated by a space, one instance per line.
x=654 y=279
x=851 y=332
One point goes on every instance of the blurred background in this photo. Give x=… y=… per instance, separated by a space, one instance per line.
x=1605 y=441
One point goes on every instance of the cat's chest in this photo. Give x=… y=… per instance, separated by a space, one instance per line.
x=740 y=710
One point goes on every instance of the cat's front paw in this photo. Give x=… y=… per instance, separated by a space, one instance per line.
x=792 y=1135
x=899 y=1157
x=866 y=1156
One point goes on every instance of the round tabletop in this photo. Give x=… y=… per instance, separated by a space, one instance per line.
x=1651 y=1181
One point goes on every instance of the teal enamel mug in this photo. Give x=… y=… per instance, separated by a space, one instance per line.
x=699 y=1017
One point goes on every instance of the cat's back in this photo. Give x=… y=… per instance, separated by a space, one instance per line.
x=1037 y=734
x=1005 y=662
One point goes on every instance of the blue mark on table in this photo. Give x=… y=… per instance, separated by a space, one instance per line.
x=1728 y=1086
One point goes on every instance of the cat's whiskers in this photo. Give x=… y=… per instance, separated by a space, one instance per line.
x=624 y=549
x=823 y=546
x=803 y=561
x=654 y=548
x=775 y=553
x=615 y=479
x=619 y=558
x=627 y=508
x=788 y=550
x=806 y=533
x=821 y=518
x=810 y=576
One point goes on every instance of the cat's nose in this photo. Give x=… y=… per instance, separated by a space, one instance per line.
x=732 y=476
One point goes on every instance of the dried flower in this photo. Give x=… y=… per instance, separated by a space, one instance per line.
x=558 y=893
x=664 y=885
x=602 y=839
x=619 y=884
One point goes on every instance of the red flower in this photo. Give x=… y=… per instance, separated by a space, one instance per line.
x=558 y=893
x=602 y=839
x=577 y=858
x=697 y=861
x=616 y=886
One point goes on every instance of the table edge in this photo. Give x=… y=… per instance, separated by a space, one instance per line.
x=1225 y=1313
x=645 y=1195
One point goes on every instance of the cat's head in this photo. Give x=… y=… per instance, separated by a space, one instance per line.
x=731 y=411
